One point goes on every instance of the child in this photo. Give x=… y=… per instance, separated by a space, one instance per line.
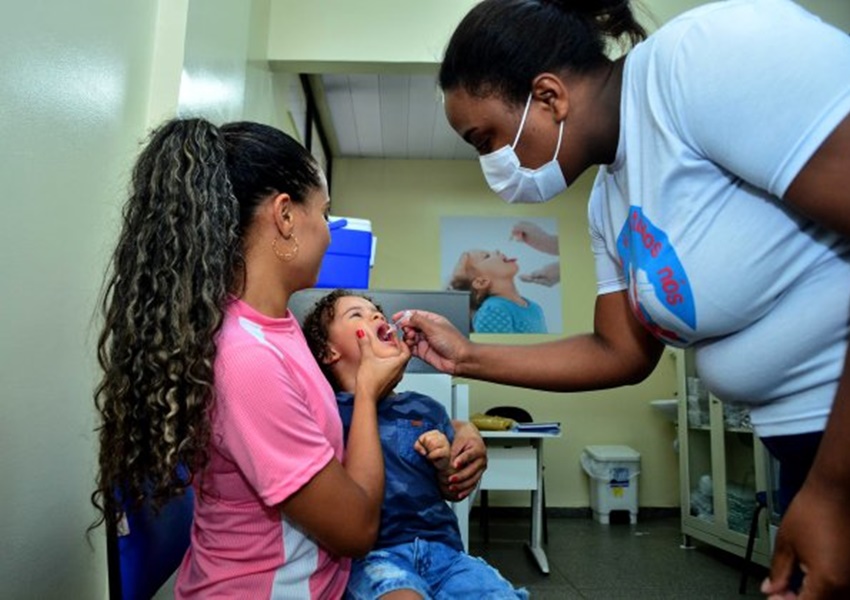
x=419 y=547
x=495 y=302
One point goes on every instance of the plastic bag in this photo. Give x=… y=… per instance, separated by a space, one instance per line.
x=491 y=422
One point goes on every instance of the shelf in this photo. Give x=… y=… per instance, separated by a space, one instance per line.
x=719 y=466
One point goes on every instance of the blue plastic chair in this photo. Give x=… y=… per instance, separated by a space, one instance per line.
x=142 y=559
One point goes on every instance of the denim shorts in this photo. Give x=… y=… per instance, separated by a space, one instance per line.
x=432 y=569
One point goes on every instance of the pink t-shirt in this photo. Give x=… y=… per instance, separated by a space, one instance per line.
x=275 y=426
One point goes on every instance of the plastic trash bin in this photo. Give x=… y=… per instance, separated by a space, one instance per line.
x=613 y=472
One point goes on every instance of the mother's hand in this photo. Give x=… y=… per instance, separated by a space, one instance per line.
x=378 y=375
x=468 y=459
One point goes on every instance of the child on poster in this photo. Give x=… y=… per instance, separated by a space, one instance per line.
x=496 y=306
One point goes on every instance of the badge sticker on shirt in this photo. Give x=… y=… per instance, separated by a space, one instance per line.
x=659 y=291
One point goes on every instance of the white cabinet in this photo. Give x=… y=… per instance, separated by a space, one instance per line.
x=722 y=465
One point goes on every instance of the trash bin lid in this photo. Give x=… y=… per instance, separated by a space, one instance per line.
x=613 y=453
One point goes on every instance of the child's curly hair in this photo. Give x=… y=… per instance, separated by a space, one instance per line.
x=317 y=323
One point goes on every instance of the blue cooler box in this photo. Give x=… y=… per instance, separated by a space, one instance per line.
x=350 y=255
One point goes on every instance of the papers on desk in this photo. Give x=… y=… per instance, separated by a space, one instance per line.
x=547 y=427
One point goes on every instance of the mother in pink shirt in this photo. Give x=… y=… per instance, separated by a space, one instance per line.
x=204 y=365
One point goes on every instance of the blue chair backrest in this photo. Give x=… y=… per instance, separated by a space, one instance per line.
x=142 y=558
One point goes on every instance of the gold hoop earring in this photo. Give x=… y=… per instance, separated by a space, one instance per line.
x=289 y=254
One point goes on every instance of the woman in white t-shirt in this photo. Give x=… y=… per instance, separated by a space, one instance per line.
x=719 y=219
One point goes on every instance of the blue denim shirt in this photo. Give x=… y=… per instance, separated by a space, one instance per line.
x=413 y=506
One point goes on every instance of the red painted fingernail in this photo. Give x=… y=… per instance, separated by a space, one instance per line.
x=360 y=333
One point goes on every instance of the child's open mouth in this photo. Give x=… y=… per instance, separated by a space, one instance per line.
x=386 y=332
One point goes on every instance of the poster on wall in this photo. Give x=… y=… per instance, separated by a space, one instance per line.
x=511 y=268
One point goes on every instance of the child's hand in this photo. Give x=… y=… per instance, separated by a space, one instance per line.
x=434 y=445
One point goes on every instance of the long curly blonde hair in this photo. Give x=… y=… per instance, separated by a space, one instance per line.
x=179 y=256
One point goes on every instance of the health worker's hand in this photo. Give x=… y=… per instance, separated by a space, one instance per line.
x=533 y=235
x=549 y=275
x=377 y=376
x=433 y=339
x=814 y=534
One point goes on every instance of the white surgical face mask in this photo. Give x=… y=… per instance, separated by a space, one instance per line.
x=515 y=183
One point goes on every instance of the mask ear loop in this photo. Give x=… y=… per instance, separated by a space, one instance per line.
x=522 y=122
x=560 y=137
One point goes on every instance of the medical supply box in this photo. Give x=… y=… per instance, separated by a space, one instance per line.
x=613 y=472
x=350 y=255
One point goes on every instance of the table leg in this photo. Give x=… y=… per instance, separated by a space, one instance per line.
x=539 y=556
x=535 y=546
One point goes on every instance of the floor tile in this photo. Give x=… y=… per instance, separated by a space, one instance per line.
x=593 y=561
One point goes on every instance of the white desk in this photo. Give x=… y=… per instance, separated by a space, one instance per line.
x=515 y=462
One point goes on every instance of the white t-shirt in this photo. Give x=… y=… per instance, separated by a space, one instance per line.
x=721 y=109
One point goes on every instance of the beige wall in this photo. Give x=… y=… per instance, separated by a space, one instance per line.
x=323 y=36
x=405 y=200
x=344 y=36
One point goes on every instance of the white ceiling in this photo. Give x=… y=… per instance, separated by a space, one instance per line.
x=388 y=116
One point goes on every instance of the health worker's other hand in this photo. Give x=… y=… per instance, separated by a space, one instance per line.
x=433 y=339
x=468 y=459
x=814 y=534
x=378 y=375
x=533 y=235
x=549 y=275
x=434 y=445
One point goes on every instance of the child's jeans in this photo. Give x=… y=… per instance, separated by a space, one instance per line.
x=432 y=569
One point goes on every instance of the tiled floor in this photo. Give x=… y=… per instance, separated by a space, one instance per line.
x=613 y=562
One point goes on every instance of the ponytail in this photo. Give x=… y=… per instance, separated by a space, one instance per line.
x=500 y=46
x=614 y=19
x=194 y=191
x=170 y=275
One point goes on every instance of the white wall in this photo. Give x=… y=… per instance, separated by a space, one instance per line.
x=225 y=75
x=74 y=85
x=81 y=83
